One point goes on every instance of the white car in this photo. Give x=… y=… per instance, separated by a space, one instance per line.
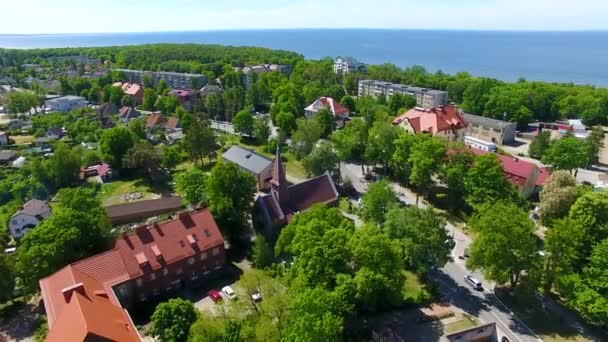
x=229 y=292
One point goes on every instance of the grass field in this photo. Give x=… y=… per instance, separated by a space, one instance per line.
x=414 y=290
x=465 y=323
x=111 y=193
x=22 y=139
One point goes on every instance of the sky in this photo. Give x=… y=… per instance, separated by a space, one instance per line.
x=87 y=16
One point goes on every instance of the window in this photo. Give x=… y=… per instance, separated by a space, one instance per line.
x=152 y=276
x=190 y=260
x=216 y=251
x=203 y=256
x=139 y=282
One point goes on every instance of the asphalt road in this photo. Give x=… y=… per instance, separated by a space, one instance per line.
x=483 y=305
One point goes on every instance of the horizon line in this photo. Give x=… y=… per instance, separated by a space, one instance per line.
x=316 y=29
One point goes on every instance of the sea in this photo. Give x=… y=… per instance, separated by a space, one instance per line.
x=579 y=57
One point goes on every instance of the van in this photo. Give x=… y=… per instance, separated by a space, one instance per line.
x=476 y=284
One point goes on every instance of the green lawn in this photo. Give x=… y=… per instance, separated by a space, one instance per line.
x=465 y=323
x=22 y=139
x=112 y=193
x=414 y=290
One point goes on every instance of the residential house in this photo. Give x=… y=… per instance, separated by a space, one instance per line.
x=136 y=211
x=486 y=332
x=100 y=171
x=127 y=114
x=338 y=111
x=29 y=216
x=491 y=130
x=157 y=120
x=444 y=121
x=104 y=113
x=175 y=80
x=185 y=97
x=211 y=88
x=174 y=137
x=257 y=165
x=88 y=300
x=65 y=104
x=276 y=209
x=3 y=138
x=6 y=156
x=249 y=71
x=134 y=90
x=348 y=65
x=426 y=98
x=527 y=177
x=55 y=133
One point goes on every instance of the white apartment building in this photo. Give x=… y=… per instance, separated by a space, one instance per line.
x=426 y=98
x=65 y=104
x=346 y=65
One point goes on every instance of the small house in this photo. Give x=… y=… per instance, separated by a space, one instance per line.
x=29 y=216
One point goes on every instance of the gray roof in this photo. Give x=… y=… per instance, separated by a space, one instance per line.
x=7 y=154
x=246 y=159
x=35 y=207
x=488 y=122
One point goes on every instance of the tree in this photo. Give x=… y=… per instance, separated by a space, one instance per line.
x=569 y=153
x=398 y=102
x=321 y=159
x=558 y=195
x=243 y=122
x=143 y=156
x=314 y=317
x=262 y=254
x=425 y=160
x=18 y=102
x=485 y=182
x=380 y=145
x=348 y=102
x=149 y=99
x=350 y=141
x=377 y=201
x=539 y=145
x=171 y=157
x=191 y=185
x=596 y=272
x=172 y=320
x=506 y=246
x=63 y=167
x=422 y=235
x=234 y=101
x=230 y=192
x=200 y=141
x=286 y=121
x=326 y=121
x=595 y=141
x=305 y=137
x=214 y=103
x=138 y=128
x=126 y=101
x=261 y=130
x=7 y=281
x=590 y=213
x=564 y=243
x=114 y=144
x=453 y=172
x=116 y=96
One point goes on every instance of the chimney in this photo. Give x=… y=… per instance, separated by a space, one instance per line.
x=191 y=240
x=69 y=291
x=157 y=252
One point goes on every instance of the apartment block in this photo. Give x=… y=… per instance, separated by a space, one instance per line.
x=175 y=80
x=426 y=98
x=347 y=65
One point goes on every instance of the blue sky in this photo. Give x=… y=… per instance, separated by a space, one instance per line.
x=84 y=16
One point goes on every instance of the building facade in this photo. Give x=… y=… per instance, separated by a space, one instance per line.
x=29 y=216
x=3 y=138
x=491 y=130
x=65 y=104
x=347 y=65
x=443 y=121
x=249 y=71
x=257 y=165
x=340 y=113
x=426 y=98
x=175 y=80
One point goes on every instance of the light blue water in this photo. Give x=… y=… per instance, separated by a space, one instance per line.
x=579 y=57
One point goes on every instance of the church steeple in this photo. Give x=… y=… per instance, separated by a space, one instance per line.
x=279 y=182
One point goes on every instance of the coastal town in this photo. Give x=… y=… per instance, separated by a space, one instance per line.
x=206 y=193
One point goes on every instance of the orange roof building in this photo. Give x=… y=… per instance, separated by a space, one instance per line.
x=445 y=121
x=132 y=89
x=87 y=299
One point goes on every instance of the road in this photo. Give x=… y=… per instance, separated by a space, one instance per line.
x=481 y=304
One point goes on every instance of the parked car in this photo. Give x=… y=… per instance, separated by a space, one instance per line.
x=256 y=296
x=214 y=295
x=229 y=292
x=473 y=282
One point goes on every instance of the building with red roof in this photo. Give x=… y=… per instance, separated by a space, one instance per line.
x=338 y=111
x=87 y=300
x=134 y=90
x=156 y=120
x=185 y=97
x=526 y=176
x=275 y=209
x=445 y=121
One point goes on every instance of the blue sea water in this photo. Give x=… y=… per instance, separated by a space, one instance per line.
x=579 y=57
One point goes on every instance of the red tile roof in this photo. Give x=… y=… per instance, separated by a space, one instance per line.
x=154 y=120
x=100 y=170
x=433 y=120
x=129 y=88
x=332 y=105
x=518 y=171
x=96 y=310
x=172 y=123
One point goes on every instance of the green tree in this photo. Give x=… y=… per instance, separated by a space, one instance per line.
x=63 y=167
x=7 y=282
x=230 y=192
x=115 y=143
x=321 y=159
x=558 y=195
x=506 y=246
x=569 y=153
x=400 y=165
x=138 y=128
x=422 y=235
x=18 y=102
x=426 y=158
x=326 y=121
x=485 y=182
x=563 y=243
x=172 y=320
x=191 y=185
x=350 y=141
x=348 y=102
x=262 y=254
x=261 y=130
x=377 y=201
x=149 y=99
x=590 y=212
x=200 y=141
x=314 y=317
x=116 y=96
x=305 y=137
x=126 y=101
x=453 y=172
x=539 y=145
x=380 y=145
x=214 y=103
x=171 y=157
x=286 y=121
x=143 y=156
x=595 y=141
x=234 y=101
x=243 y=122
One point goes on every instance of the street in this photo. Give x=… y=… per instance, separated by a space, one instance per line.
x=483 y=305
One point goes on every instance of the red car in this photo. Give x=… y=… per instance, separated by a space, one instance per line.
x=214 y=295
